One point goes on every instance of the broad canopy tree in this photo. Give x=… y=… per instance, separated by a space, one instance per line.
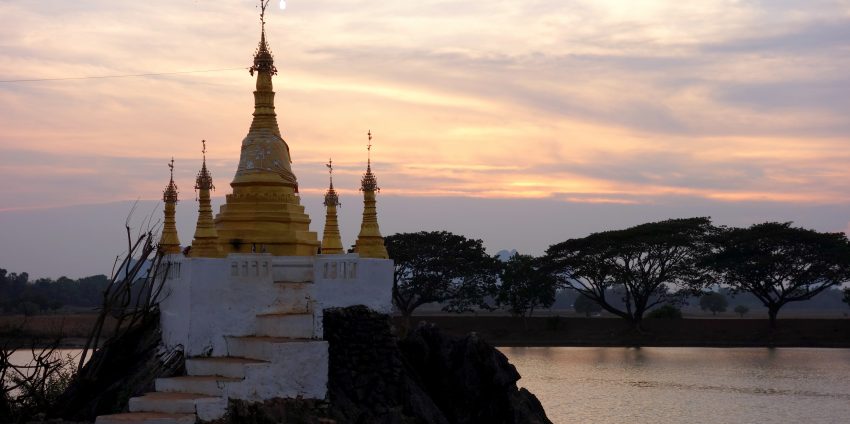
x=714 y=302
x=642 y=263
x=778 y=263
x=525 y=285
x=586 y=306
x=439 y=266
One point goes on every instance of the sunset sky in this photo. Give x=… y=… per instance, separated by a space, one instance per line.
x=518 y=122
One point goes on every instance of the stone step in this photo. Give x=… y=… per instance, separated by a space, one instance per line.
x=227 y=366
x=298 y=368
x=262 y=347
x=291 y=306
x=169 y=403
x=146 y=418
x=205 y=385
x=285 y=325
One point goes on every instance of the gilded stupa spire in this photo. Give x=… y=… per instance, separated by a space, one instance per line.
x=205 y=243
x=169 y=242
x=331 y=240
x=370 y=243
x=264 y=212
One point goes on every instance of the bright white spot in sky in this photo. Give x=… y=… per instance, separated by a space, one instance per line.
x=282 y=4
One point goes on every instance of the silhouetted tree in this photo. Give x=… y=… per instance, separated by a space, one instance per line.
x=741 y=310
x=642 y=263
x=778 y=263
x=439 y=266
x=525 y=285
x=666 y=311
x=18 y=294
x=584 y=305
x=714 y=302
x=846 y=297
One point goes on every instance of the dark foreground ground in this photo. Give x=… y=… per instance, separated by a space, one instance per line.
x=574 y=331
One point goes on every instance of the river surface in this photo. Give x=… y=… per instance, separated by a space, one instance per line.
x=687 y=385
x=678 y=385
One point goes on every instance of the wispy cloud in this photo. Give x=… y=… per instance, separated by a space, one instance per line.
x=622 y=102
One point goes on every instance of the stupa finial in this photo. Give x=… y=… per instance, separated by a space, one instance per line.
x=204 y=180
x=263 y=58
x=170 y=192
x=369 y=151
x=369 y=182
x=331 y=197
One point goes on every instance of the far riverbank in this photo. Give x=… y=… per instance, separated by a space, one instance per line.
x=615 y=332
x=535 y=331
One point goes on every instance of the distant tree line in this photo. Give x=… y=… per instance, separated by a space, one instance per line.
x=627 y=273
x=19 y=295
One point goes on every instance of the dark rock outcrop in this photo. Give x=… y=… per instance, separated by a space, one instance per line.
x=469 y=380
x=368 y=380
x=128 y=365
x=427 y=377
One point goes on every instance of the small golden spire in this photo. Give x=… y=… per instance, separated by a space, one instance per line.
x=205 y=243
x=331 y=239
x=370 y=243
x=169 y=242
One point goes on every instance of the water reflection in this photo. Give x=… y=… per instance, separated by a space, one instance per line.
x=672 y=385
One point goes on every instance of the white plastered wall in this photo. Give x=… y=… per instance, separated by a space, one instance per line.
x=207 y=299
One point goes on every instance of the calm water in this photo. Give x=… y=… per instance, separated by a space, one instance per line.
x=687 y=385
x=680 y=385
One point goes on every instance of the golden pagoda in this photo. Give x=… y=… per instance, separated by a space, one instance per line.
x=169 y=242
x=331 y=240
x=264 y=212
x=205 y=243
x=370 y=243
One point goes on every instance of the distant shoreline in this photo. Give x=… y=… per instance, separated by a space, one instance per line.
x=543 y=331
x=615 y=332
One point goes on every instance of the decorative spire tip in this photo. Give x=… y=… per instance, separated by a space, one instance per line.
x=169 y=195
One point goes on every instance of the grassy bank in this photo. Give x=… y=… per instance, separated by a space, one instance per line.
x=575 y=331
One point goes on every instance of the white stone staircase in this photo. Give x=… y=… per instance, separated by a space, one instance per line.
x=282 y=359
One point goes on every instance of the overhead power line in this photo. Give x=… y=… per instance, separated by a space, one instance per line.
x=119 y=76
